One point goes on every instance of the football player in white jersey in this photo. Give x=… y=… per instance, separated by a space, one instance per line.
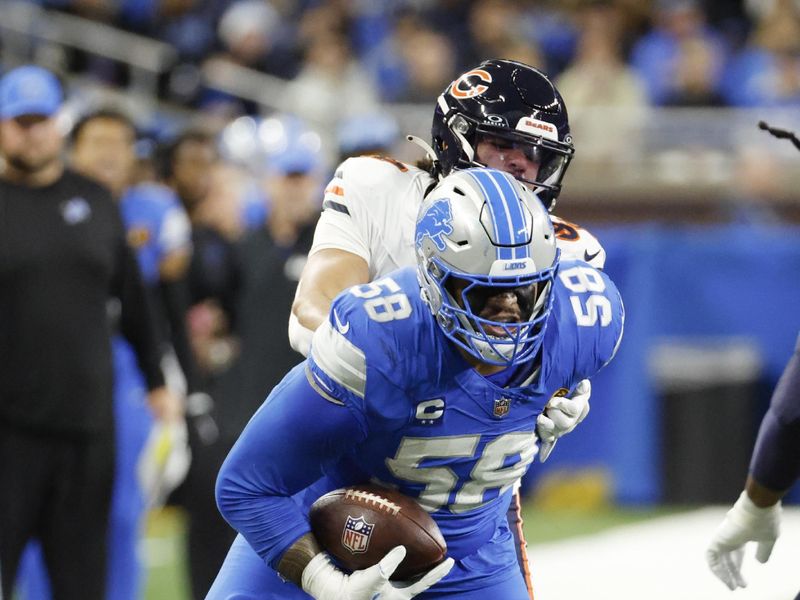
x=501 y=114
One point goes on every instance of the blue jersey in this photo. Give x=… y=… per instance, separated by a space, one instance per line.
x=414 y=415
x=156 y=225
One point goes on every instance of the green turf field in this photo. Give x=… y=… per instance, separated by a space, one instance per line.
x=165 y=556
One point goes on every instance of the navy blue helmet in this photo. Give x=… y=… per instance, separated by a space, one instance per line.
x=511 y=102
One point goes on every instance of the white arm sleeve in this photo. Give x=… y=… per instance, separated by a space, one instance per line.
x=577 y=243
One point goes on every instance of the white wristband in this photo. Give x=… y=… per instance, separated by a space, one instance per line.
x=320 y=578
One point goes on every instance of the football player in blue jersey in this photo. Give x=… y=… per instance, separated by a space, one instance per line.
x=159 y=232
x=429 y=380
x=499 y=114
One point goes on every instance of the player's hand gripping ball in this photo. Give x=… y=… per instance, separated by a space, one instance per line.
x=358 y=526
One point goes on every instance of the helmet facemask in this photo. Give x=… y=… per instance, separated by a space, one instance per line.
x=466 y=303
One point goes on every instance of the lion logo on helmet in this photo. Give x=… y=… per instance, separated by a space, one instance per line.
x=435 y=223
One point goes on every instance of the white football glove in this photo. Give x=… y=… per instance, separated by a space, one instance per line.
x=324 y=581
x=743 y=523
x=560 y=416
x=164 y=461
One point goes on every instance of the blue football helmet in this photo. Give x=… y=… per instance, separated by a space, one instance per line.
x=480 y=235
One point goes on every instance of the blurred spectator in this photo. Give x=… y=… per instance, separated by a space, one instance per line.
x=366 y=134
x=322 y=19
x=767 y=72
x=696 y=75
x=430 y=64
x=145 y=166
x=273 y=258
x=188 y=163
x=57 y=438
x=253 y=35
x=186 y=25
x=523 y=51
x=659 y=56
x=386 y=63
x=105 y=148
x=189 y=168
x=599 y=76
x=490 y=23
x=194 y=171
x=330 y=86
x=635 y=17
x=371 y=24
x=158 y=230
x=599 y=87
x=222 y=209
x=549 y=28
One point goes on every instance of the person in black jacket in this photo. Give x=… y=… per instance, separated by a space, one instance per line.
x=63 y=262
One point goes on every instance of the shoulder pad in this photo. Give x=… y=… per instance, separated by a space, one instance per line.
x=365 y=337
x=577 y=243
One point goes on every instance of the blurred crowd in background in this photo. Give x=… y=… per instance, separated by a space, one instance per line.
x=659 y=52
x=350 y=72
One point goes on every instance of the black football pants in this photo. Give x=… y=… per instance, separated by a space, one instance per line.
x=57 y=489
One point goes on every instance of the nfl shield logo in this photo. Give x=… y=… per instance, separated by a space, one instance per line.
x=501 y=407
x=356 y=534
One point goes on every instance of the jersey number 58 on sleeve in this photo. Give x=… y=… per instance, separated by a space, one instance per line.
x=379 y=306
x=583 y=280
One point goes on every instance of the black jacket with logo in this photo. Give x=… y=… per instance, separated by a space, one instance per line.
x=63 y=257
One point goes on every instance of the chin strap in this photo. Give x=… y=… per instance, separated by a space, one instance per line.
x=781 y=134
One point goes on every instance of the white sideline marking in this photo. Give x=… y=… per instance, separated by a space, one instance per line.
x=662 y=559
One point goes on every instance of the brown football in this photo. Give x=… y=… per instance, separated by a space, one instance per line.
x=360 y=524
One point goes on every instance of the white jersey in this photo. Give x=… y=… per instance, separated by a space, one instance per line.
x=370 y=209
